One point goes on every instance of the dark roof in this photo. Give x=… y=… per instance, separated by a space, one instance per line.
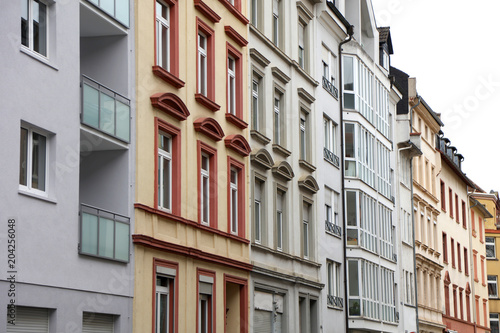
x=341 y=17
x=384 y=37
x=401 y=79
x=432 y=113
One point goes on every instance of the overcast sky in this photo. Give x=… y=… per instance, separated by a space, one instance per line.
x=452 y=48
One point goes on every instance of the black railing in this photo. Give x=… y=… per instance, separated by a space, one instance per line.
x=333 y=228
x=394 y=257
x=331 y=157
x=335 y=301
x=330 y=88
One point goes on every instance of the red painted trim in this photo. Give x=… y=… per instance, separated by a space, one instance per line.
x=175 y=132
x=236 y=121
x=209 y=32
x=171 y=104
x=235 y=10
x=233 y=52
x=191 y=223
x=171 y=76
x=213 y=193
x=243 y=283
x=207 y=11
x=160 y=245
x=231 y=162
x=234 y=35
x=238 y=143
x=213 y=313
x=207 y=102
x=174 y=310
x=210 y=127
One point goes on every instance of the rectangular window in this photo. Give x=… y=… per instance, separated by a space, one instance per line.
x=457 y=207
x=206 y=311
x=483 y=271
x=34 y=26
x=231 y=85
x=473 y=222
x=33 y=161
x=257 y=103
x=202 y=64
x=464 y=217
x=255 y=12
x=236 y=197
x=481 y=229
x=268 y=312
x=304 y=137
x=494 y=323
x=450 y=198
x=233 y=198
x=334 y=297
x=276 y=22
x=278 y=118
x=329 y=142
x=280 y=204
x=258 y=210
x=452 y=244
x=165 y=171
x=207 y=180
x=474 y=255
x=301 y=45
x=466 y=262
x=490 y=248
x=206 y=60
x=306 y=230
x=443 y=198
x=459 y=257
x=445 y=248
x=27 y=318
x=492 y=286
x=163 y=35
x=234 y=82
x=165 y=289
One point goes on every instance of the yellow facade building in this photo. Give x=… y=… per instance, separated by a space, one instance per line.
x=191 y=233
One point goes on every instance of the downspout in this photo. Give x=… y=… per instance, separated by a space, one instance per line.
x=350 y=32
x=413 y=222
x=471 y=257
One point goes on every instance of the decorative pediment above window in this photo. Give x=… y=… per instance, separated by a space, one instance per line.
x=446 y=279
x=262 y=158
x=210 y=127
x=238 y=143
x=308 y=183
x=170 y=104
x=234 y=35
x=284 y=170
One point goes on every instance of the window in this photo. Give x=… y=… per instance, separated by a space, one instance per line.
x=257 y=102
x=358 y=89
x=165 y=171
x=459 y=255
x=278 y=118
x=97 y=322
x=450 y=198
x=473 y=222
x=236 y=197
x=280 y=208
x=360 y=153
x=445 y=248
x=301 y=45
x=258 y=209
x=276 y=22
x=104 y=234
x=481 y=230
x=28 y=318
x=464 y=218
x=329 y=65
x=457 y=209
x=490 y=248
x=494 y=323
x=206 y=61
x=304 y=137
x=165 y=298
x=34 y=26
x=33 y=161
x=409 y=288
x=447 y=297
x=455 y=310
x=306 y=230
x=329 y=144
x=231 y=85
x=466 y=262
x=482 y=271
x=361 y=211
x=255 y=12
x=443 y=198
x=163 y=31
x=308 y=313
x=268 y=312
x=492 y=286
x=207 y=179
x=234 y=82
x=474 y=255
x=206 y=295
x=452 y=244
x=334 y=297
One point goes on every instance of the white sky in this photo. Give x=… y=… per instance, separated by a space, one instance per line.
x=453 y=50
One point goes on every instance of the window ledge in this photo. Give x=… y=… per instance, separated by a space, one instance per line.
x=207 y=11
x=37 y=196
x=335 y=308
x=104 y=258
x=306 y=165
x=37 y=56
x=233 y=10
x=168 y=77
x=259 y=137
x=281 y=150
x=270 y=44
x=235 y=120
x=207 y=102
x=305 y=74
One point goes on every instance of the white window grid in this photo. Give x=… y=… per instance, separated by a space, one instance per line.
x=303 y=137
x=490 y=247
x=387 y=292
x=385 y=223
x=202 y=63
x=165 y=172
x=163 y=35
x=258 y=188
x=384 y=170
x=333 y=271
x=493 y=286
x=280 y=195
x=277 y=118
x=162 y=307
x=205 y=189
x=234 y=200
x=306 y=211
x=37 y=14
x=276 y=22
x=382 y=109
x=34 y=167
x=255 y=103
x=231 y=85
x=329 y=128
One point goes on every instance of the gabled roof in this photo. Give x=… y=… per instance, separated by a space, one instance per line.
x=384 y=37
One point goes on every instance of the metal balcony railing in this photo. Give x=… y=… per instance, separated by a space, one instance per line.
x=333 y=228
x=394 y=257
x=330 y=88
x=335 y=301
x=105 y=109
x=331 y=157
x=104 y=233
x=118 y=9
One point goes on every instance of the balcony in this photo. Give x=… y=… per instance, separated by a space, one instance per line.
x=104 y=234
x=330 y=88
x=335 y=301
x=105 y=110
x=117 y=9
x=394 y=257
x=333 y=229
x=331 y=157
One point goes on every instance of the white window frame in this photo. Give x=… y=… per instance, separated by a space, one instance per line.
x=256 y=81
x=278 y=130
x=333 y=276
x=29 y=162
x=165 y=156
x=306 y=229
x=494 y=317
x=205 y=200
x=489 y=243
x=280 y=203
x=493 y=280
x=303 y=136
x=162 y=22
x=329 y=128
x=159 y=291
x=254 y=12
x=231 y=85
x=329 y=65
x=276 y=22
x=258 y=209
x=202 y=63
x=234 y=200
x=301 y=44
x=30 y=40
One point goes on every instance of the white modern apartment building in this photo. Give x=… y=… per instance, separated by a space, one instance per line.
x=68 y=168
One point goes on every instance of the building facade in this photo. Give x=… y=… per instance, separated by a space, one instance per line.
x=68 y=185
x=191 y=237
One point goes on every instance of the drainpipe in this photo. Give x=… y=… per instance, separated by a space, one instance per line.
x=413 y=222
x=350 y=32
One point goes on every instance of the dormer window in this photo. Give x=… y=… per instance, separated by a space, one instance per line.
x=384 y=59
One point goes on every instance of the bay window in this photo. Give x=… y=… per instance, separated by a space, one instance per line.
x=358 y=87
x=359 y=153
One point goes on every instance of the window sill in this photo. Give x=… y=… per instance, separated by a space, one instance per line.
x=281 y=150
x=168 y=77
x=492 y=259
x=235 y=120
x=306 y=165
x=259 y=137
x=104 y=258
x=207 y=11
x=37 y=56
x=305 y=74
x=37 y=196
x=335 y=308
x=207 y=102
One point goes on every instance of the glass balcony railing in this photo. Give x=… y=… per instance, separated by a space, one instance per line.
x=118 y=9
x=105 y=110
x=104 y=234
